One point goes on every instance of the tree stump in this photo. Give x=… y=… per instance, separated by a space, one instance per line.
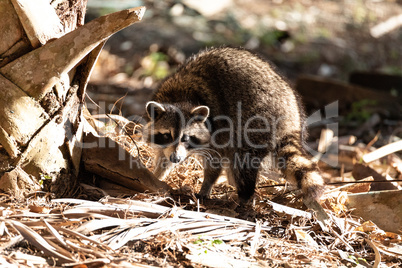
x=46 y=58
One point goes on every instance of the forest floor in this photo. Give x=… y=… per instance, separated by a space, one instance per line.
x=307 y=40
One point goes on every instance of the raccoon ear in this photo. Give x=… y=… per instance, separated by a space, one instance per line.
x=201 y=113
x=154 y=109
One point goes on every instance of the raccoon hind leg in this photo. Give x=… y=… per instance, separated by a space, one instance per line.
x=245 y=173
x=299 y=168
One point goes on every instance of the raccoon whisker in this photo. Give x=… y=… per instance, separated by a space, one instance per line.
x=209 y=151
x=204 y=154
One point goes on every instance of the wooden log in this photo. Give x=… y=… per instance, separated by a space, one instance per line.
x=107 y=159
x=317 y=92
x=384 y=208
x=375 y=80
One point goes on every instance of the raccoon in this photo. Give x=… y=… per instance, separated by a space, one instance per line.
x=234 y=109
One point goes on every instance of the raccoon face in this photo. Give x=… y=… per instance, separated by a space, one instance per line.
x=177 y=130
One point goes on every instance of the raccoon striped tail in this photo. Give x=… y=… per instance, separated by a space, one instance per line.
x=299 y=168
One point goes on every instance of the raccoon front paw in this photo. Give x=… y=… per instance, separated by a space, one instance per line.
x=204 y=192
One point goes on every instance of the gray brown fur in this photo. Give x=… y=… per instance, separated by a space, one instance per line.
x=222 y=79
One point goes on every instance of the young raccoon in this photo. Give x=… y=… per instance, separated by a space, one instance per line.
x=234 y=109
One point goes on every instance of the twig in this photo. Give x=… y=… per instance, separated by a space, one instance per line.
x=374 y=140
x=386 y=26
x=254 y=241
x=376 y=252
x=383 y=151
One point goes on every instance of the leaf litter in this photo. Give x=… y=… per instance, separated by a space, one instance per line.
x=148 y=230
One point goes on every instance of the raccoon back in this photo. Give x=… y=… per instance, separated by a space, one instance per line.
x=231 y=81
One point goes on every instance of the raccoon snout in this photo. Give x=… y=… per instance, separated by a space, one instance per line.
x=175 y=158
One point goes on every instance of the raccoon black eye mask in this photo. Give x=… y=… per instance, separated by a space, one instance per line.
x=162 y=139
x=239 y=110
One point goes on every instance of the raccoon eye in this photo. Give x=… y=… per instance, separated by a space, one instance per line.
x=193 y=142
x=162 y=138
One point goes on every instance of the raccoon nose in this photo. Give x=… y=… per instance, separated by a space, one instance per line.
x=175 y=158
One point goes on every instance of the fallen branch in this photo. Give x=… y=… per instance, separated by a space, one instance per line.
x=383 y=151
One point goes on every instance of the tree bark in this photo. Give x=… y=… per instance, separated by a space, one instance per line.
x=45 y=64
